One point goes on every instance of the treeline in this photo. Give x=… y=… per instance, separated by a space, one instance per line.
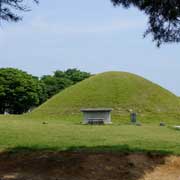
x=20 y=91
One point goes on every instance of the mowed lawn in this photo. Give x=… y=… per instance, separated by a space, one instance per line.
x=17 y=133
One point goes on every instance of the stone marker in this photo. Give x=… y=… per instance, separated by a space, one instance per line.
x=133 y=117
x=97 y=116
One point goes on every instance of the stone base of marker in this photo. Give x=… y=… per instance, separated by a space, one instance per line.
x=95 y=116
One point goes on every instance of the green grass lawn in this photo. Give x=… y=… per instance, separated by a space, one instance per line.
x=23 y=133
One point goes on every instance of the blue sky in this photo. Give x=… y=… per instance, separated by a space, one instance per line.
x=88 y=35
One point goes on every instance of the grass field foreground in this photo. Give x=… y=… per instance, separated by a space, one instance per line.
x=23 y=134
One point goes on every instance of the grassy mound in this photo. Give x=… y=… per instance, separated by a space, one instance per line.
x=118 y=90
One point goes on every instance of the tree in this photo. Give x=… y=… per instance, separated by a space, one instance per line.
x=53 y=84
x=76 y=75
x=62 y=79
x=19 y=91
x=8 y=9
x=164 y=18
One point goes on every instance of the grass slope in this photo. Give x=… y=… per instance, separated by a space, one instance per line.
x=118 y=90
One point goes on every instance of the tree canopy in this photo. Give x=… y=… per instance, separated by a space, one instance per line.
x=19 y=91
x=164 y=18
x=62 y=79
x=9 y=9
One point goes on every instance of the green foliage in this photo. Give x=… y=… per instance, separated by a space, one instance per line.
x=19 y=91
x=76 y=75
x=118 y=90
x=9 y=8
x=42 y=92
x=62 y=79
x=54 y=84
x=163 y=24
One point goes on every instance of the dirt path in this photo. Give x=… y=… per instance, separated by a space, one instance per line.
x=88 y=166
x=170 y=170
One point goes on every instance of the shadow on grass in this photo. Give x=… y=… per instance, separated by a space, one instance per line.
x=79 y=163
x=114 y=149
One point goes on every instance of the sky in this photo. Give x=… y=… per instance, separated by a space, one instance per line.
x=92 y=36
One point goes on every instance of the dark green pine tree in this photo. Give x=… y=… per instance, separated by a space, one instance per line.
x=164 y=18
x=10 y=8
